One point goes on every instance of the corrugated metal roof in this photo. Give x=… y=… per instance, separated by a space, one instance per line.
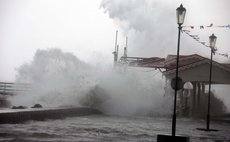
x=169 y=63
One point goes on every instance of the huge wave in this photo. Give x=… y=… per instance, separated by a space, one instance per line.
x=61 y=79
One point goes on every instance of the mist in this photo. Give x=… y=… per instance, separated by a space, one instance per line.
x=60 y=79
x=152 y=27
x=146 y=23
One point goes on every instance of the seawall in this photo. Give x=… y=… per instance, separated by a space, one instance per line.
x=22 y=115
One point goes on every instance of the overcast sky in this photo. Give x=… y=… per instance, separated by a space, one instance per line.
x=87 y=28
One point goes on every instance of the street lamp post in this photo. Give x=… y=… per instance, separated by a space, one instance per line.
x=212 y=42
x=176 y=84
x=180 y=12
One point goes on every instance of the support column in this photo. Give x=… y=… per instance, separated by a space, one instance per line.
x=186 y=111
x=181 y=102
x=202 y=89
x=194 y=98
x=198 y=94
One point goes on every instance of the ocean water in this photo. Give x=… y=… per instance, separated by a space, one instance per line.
x=104 y=128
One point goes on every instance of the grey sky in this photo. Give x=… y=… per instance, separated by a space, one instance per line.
x=151 y=24
x=76 y=26
x=87 y=28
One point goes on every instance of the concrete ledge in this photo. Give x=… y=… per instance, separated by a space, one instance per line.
x=169 y=138
x=20 y=116
x=205 y=129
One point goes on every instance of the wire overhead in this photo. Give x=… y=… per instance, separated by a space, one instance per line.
x=187 y=30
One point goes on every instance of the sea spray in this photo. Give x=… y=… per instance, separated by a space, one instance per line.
x=56 y=79
x=61 y=79
x=137 y=91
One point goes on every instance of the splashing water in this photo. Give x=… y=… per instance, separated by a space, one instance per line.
x=61 y=79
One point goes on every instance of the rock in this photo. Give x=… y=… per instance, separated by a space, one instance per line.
x=19 y=107
x=37 y=106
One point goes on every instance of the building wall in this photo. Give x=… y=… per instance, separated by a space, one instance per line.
x=200 y=73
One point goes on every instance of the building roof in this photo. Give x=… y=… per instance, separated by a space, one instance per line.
x=188 y=61
x=153 y=62
x=196 y=68
x=191 y=67
x=169 y=63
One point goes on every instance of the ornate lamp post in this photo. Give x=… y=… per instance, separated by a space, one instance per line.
x=212 y=42
x=176 y=84
x=180 y=12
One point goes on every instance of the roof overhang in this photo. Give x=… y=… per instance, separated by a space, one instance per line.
x=199 y=72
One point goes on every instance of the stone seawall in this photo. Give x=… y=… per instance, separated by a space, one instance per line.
x=22 y=115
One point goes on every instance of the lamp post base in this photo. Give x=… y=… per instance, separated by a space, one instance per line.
x=169 y=138
x=205 y=129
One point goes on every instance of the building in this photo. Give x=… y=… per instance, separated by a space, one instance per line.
x=193 y=69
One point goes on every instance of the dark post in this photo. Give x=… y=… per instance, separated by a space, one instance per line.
x=176 y=86
x=209 y=91
x=115 y=53
x=212 y=40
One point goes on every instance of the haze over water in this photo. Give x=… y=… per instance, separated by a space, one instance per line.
x=110 y=128
x=61 y=79
x=136 y=110
x=65 y=59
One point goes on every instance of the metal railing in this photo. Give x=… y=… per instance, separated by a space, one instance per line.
x=8 y=88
